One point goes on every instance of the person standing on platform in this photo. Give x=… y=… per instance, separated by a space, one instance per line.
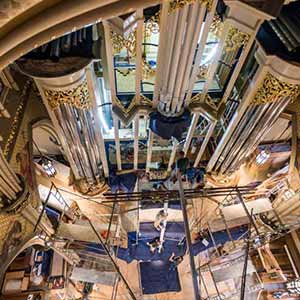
x=159 y=220
x=182 y=163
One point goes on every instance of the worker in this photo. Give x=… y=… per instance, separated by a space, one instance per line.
x=159 y=219
x=154 y=244
x=182 y=163
x=175 y=261
x=202 y=236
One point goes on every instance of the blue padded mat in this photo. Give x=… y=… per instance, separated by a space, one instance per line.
x=174 y=233
x=148 y=232
x=156 y=277
x=220 y=237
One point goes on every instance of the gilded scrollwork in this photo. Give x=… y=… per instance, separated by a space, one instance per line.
x=119 y=42
x=152 y=25
x=126 y=111
x=216 y=26
x=17 y=118
x=235 y=39
x=273 y=89
x=209 y=100
x=203 y=70
x=197 y=98
x=77 y=97
x=175 y=4
x=201 y=98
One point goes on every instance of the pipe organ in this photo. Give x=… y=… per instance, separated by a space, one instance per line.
x=71 y=102
x=274 y=85
x=180 y=33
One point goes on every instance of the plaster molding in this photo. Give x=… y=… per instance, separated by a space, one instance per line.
x=24 y=42
x=281 y=69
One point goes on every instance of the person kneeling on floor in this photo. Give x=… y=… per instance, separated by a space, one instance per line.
x=175 y=261
x=154 y=244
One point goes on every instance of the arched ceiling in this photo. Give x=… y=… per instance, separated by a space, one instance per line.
x=23 y=31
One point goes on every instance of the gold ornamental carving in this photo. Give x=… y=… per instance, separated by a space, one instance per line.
x=273 y=89
x=201 y=98
x=148 y=70
x=119 y=42
x=217 y=26
x=77 y=97
x=151 y=26
x=209 y=100
x=203 y=70
x=17 y=118
x=175 y=4
x=126 y=111
x=235 y=39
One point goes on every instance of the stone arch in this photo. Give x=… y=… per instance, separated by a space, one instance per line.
x=38 y=24
x=28 y=242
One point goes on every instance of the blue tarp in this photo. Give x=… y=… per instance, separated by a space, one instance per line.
x=220 y=237
x=167 y=127
x=174 y=234
x=156 y=277
x=123 y=182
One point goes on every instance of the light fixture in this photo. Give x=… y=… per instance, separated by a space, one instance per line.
x=262 y=157
x=48 y=167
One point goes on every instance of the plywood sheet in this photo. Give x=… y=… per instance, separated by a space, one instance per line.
x=237 y=211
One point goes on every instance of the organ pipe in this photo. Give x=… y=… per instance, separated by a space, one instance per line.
x=184 y=31
x=71 y=105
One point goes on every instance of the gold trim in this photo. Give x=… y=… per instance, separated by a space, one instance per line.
x=148 y=71
x=152 y=25
x=143 y=101
x=217 y=26
x=272 y=89
x=77 y=97
x=235 y=39
x=199 y=98
x=119 y=42
x=181 y=3
x=16 y=120
x=203 y=70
